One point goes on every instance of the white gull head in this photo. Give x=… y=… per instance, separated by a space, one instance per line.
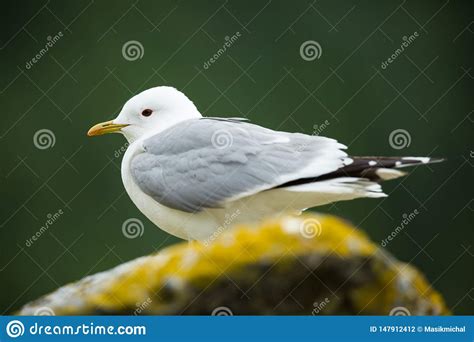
x=153 y=111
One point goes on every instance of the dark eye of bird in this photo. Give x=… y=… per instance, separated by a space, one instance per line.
x=147 y=112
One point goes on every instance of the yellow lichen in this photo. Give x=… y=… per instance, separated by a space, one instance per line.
x=198 y=265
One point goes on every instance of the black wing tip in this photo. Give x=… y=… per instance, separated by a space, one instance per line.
x=422 y=160
x=373 y=168
x=382 y=161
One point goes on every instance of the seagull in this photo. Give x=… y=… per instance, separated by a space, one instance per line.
x=195 y=176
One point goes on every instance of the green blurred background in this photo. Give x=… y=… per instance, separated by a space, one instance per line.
x=84 y=78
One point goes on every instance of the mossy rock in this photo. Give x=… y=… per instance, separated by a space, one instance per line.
x=310 y=264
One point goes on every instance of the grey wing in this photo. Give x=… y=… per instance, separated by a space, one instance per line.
x=204 y=163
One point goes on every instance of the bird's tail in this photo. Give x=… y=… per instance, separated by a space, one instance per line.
x=357 y=178
x=378 y=169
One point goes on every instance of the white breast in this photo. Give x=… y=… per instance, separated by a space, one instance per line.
x=187 y=226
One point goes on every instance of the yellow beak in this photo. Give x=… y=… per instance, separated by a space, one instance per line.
x=104 y=128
